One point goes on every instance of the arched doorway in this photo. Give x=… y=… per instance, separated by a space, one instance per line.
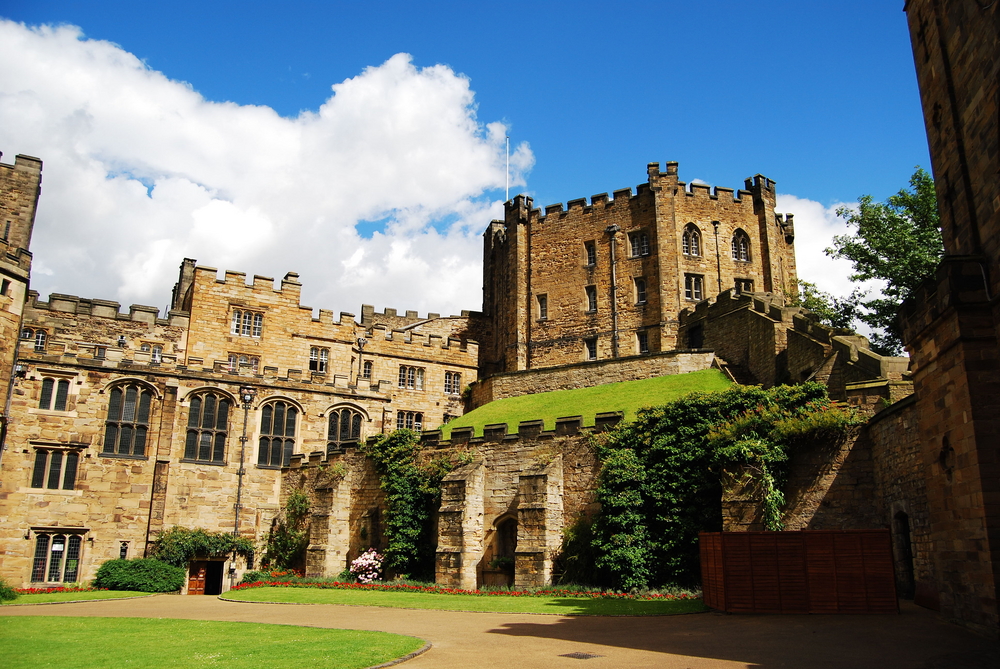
x=497 y=566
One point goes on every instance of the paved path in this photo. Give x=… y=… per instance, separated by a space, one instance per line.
x=914 y=639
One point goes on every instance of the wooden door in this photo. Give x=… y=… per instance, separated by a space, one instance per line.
x=197 y=571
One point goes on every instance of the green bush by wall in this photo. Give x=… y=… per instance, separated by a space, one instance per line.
x=141 y=575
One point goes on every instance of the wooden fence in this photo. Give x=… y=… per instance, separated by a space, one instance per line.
x=811 y=571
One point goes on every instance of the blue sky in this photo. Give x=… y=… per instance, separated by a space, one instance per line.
x=820 y=97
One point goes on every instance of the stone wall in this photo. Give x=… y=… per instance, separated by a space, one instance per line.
x=114 y=501
x=872 y=479
x=542 y=480
x=583 y=375
x=20 y=185
x=763 y=341
x=951 y=325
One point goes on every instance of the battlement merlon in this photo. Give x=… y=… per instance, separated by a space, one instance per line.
x=657 y=181
x=97 y=308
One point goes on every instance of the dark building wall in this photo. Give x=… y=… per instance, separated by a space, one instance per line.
x=951 y=323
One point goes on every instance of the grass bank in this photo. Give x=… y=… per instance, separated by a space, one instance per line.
x=81 y=643
x=625 y=396
x=484 y=603
x=86 y=595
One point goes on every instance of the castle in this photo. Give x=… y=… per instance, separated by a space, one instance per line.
x=118 y=424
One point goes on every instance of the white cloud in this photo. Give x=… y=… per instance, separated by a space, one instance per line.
x=815 y=227
x=141 y=171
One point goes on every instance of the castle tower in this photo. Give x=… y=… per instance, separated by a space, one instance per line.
x=607 y=279
x=20 y=185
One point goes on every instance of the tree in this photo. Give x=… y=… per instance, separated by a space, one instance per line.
x=897 y=241
x=831 y=310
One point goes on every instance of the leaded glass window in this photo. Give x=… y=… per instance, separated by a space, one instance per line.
x=128 y=421
x=208 y=422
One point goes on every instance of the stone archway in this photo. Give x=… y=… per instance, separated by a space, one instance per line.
x=497 y=565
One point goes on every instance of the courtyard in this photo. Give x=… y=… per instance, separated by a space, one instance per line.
x=915 y=638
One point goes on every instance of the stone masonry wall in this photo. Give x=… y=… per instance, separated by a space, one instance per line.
x=20 y=185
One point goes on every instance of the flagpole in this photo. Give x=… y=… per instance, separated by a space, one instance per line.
x=507 y=167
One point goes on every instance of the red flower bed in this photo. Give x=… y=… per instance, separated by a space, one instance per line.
x=45 y=591
x=437 y=589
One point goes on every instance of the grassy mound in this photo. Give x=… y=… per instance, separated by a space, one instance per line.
x=626 y=396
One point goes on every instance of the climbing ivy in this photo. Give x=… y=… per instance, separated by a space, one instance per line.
x=286 y=542
x=412 y=495
x=179 y=545
x=660 y=481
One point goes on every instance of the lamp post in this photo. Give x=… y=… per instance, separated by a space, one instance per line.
x=361 y=341
x=247 y=395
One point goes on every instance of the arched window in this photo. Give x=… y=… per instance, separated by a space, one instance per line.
x=691 y=241
x=157 y=356
x=128 y=421
x=411 y=420
x=208 y=422
x=277 y=434
x=38 y=336
x=741 y=246
x=367 y=370
x=343 y=428
x=452 y=383
x=238 y=361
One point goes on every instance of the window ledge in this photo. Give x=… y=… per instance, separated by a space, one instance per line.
x=122 y=456
x=212 y=463
x=60 y=491
x=272 y=467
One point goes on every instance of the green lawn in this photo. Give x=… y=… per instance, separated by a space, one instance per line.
x=73 y=596
x=626 y=396
x=571 y=606
x=30 y=642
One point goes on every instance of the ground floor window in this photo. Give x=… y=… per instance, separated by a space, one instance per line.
x=57 y=557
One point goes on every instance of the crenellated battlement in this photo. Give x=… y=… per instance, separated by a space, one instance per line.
x=695 y=190
x=96 y=308
x=290 y=287
x=567 y=426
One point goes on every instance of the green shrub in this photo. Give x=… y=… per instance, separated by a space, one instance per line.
x=254 y=577
x=7 y=593
x=661 y=475
x=140 y=574
x=180 y=545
